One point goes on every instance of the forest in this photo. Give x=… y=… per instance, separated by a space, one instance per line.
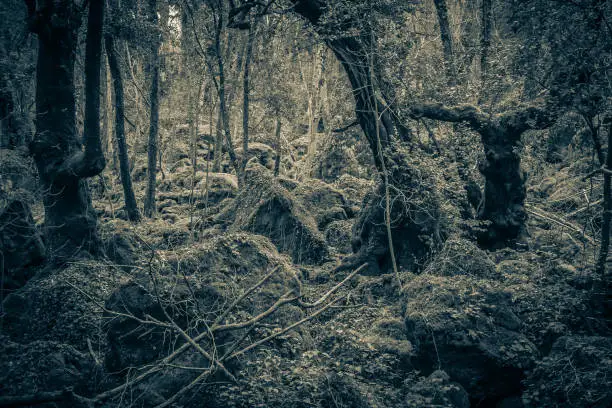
x=306 y=203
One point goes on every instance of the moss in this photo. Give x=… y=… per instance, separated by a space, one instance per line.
x=263 y=206
x=576 y=373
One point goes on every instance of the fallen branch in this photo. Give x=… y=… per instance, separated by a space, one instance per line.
x=559 y=222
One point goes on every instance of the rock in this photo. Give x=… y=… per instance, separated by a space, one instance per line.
x=338 y=235
x=576 y=373
x=459 y=256
x=44 y=366
x=322 y=200
x=195 y=284
x=264 y=154
x=264 y=207
x=354 y=188
x=438 y=391
x=21 y=244
x=418 y=225
x=53 y=307
x=465 y=326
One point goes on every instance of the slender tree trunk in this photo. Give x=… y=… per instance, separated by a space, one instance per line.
x=218 y=150
x=277 y=160
x=607 y=210
x=486 y=20
x=245 y=95
x=124 y=164
x=223 y=109
x=63 y=166
x=447 y=41
x=149 y=204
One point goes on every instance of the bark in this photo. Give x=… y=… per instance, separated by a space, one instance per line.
x=607 y=210
x=504 y=192
x=486 y=19
x=223 y=109
x=245 y=97
x=447 y=41
x=277 y=160
x=149 y=204
x=124 y=164
x=62 y=162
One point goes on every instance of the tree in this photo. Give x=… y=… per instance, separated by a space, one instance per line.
x=149 y=204
x=124 y=163
x=63 y=162
x=504 y=192
x=447 y=40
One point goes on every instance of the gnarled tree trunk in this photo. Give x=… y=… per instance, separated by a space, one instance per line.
x=63 y=165
x=504 y=192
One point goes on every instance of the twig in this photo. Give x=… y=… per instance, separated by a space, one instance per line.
x=285 y=330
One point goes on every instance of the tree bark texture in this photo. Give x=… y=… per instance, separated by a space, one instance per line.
x=124 y=163
x=63 y=162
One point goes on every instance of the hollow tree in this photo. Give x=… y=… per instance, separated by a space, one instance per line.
x=504 y=192
x=63 y=162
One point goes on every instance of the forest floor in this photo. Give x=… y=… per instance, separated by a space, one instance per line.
x=231 y=298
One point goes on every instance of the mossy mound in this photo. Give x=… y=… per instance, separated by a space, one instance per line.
x=62 y=305
x=195 y=285
x=417 y=223
x=264 y=207
x=354 y=188
x=42 y=366
x=264 y=154
x=465 y=326
x=576 y=373
x=462 y=257
x=438 y=391
x=338 y=235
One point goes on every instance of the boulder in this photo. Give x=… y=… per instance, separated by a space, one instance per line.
x=338 y=235
x=264 y=207
x=21 y=244
x=44 y=366
x=194 y=284
x=464 y=326
x=264 y=154
x=438 y=391
x=61 y=305
x=576 y=373
x=418 y=224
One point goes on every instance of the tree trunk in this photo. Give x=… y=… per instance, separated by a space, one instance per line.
x=277 y=160
x=70 y=222
x=504 y=191
x=447 y=41
x=124 y=164
x=223 y=109
x=353 y=57
x=607 y=210
x=218 y=144
x=149 y=204
x=486 y=19
x=245 y=95
x=504 y=195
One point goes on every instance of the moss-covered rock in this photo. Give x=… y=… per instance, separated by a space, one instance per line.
x=576 y=373
x=264 y=207
x=462 y=257
x=338 y=235
x=438 y=391
x=62 y=305
x=44 y=366
x=465 y=326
